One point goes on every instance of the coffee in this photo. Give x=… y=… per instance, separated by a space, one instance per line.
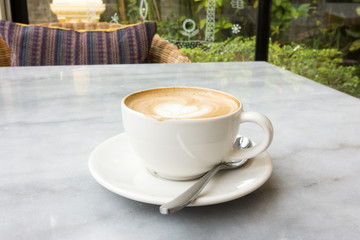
x=182 y=103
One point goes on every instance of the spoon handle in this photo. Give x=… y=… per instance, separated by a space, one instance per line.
x=189 y=195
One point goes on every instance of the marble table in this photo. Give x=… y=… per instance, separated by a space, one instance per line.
x=51 y=119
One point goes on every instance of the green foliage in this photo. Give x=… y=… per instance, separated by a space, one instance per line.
x=239 y=49
x=222 y=20
x=335 y=31
x=171 y=28
x=132 y=11
x=333 y=46
x=283 y=12
x=341 y=36
x=355 y=45
x=204 y=3
x=324 y=66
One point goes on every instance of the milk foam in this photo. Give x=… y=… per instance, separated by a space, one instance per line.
x=182 y=103
x=170 y=110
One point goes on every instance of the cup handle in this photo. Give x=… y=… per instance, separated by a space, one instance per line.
x=265 y=124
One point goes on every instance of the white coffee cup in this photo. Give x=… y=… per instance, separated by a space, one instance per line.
x=180 y=148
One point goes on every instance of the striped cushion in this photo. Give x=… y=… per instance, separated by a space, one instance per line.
x=37 y=46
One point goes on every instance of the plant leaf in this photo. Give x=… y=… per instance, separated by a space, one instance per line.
x=202 y=23
x=255 y=4
x=227 y=25
x=295 y=14
x=201 y=5
x=352 y=33
x=304 y=9
x=355 y=46
x=278 y=14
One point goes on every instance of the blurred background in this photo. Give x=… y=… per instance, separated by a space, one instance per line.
x=318 y=39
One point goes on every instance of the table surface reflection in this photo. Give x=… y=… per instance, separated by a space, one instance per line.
x=51 y=118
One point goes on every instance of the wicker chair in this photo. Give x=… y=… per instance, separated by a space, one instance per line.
x=161 y=51
x=5 y=53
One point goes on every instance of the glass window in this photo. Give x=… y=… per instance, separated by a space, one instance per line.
x=319 y=39
x=205 y=30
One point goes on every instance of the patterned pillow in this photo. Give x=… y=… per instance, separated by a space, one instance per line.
x=38 y=46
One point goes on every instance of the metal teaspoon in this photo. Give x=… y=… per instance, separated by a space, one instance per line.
x=191 y=194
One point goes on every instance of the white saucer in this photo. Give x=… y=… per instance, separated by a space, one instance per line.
x=115 y=167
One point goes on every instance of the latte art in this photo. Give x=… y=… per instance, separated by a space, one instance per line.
x=171 y=110
x=182 y=103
